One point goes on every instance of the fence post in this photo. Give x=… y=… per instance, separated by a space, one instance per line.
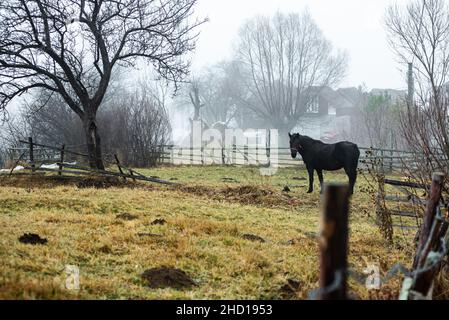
x=268 y=143
x=391 y=160
x=429 y=217
x=382 y=163
x=61 y=160
x=118 y=165
x=422 y=281
x=334 y=242
x=223 y=160
x=33 y=166
x=131 y=173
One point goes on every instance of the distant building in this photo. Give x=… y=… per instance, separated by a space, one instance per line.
x=331 y=115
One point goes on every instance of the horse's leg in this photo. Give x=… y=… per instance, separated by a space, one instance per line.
x=310 y=170
x=351 y=171
x=320 y=177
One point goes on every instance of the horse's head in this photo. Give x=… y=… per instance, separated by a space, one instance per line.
x=295 y=144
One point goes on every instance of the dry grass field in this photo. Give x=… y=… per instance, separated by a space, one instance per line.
x=236 y=234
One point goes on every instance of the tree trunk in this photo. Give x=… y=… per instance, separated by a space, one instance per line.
x=93 y=143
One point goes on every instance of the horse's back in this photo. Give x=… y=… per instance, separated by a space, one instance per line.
x=347 y=151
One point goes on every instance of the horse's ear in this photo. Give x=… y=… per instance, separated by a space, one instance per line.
x=289 y=134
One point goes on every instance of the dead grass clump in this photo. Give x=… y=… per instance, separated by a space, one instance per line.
x=442 y=284
x=254 y=238
x=127 y=217
x=290 y=289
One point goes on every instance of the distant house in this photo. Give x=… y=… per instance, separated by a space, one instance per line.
x=330 y=117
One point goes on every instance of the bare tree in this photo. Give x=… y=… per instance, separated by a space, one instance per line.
x=285 y=61
x=41 y=48
x=379 y=116
x=419 y=33
x=140 y=114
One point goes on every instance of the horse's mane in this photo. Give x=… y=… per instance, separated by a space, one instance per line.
x=306 y=138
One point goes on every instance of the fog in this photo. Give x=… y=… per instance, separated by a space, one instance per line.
x=352 y=25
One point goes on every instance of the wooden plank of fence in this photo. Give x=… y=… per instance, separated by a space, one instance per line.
x=132 y=175
x=406 y=184
x=116 y=174
x=57 y=171
x=17 y=162
x=118 y=165
x=334 y=242
x=61 y=159
x=399 y=213
x=55 y=148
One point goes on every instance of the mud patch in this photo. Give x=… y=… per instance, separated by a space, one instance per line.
x=31 y=238
x=105 y=250
x=160 y=278
x=99 y=183
x=248 y=195
x=150 y=235
x=299 y=179
x=229 y=180
x=290 y=289
x=253 y=238
x=159 y=222
x=127 y=217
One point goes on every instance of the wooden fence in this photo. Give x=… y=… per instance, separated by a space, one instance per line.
x=390 y=160
x=37 y=155
x=431 y=252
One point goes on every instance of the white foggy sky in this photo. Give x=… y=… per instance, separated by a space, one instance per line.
x=352 y=25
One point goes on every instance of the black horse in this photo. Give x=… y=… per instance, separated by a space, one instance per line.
x=320 y=156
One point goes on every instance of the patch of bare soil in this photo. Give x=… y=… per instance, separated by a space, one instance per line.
x=31 y=238
x=160 y=278
x=99 y=183
x=50 y=181
x=247 y=195
x=290 y=289
x=127 y=217
x=254 y=238
x=105 y=249
x=150 y=235
x=159 y=222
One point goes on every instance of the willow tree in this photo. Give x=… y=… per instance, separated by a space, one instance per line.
x=71 y=48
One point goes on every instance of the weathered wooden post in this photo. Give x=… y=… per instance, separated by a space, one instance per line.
x=429 y=216
x=334 y=242
x=31 y=146
x=422 y=281
x=268 y=145
x=61 y=160
x=382 y=157
x=223 y=158
x=119 y=167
